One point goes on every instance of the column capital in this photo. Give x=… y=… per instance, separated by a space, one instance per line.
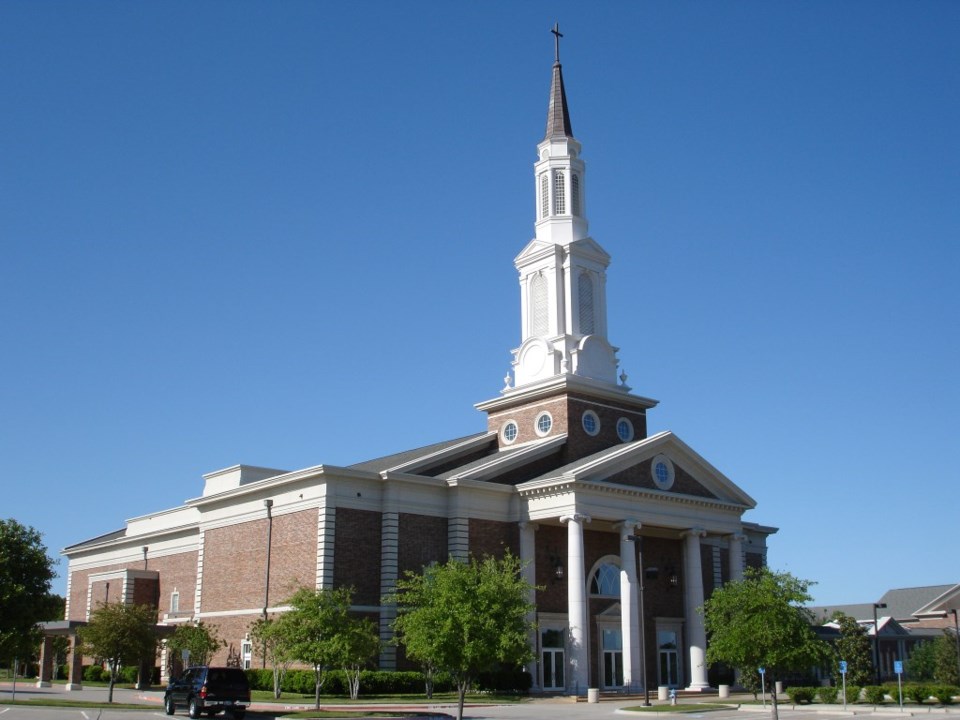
x=626 y=528
x=737 y=537
x=694 y=532
x=527 y=525
x=575 y=517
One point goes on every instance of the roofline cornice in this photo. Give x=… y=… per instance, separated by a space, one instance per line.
x=80 y=548
x=561 y=384
x=567 y=484
x=319 y=472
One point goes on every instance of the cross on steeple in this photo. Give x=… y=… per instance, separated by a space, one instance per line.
x=556 y=41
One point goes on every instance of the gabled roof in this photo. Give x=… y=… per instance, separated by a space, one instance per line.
x=115 y=535
x=903 y=604
x=947 y=598
x=490 y=467
x=404 y=461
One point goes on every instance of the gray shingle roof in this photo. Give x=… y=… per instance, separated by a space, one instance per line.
x=402 y=458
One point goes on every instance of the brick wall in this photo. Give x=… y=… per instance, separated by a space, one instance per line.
x=422 y=540
x=177 y=571
x=567 y=413
x=489 y=537
x=293 y=554
x=234 y=566
x=357 y=554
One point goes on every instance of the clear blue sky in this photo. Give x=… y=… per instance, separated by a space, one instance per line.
x=282 y=234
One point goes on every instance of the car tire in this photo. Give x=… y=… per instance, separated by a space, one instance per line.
x=168 y=705
x=238 y=714
x=194 y=709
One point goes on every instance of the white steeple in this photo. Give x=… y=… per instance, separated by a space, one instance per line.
x=562 y=270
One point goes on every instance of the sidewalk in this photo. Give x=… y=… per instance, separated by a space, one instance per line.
x=547 y=708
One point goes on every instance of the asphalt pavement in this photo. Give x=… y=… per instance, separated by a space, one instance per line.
x=536 y=709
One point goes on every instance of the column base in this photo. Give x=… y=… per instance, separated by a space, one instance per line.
x=44 y=683
x=698 y=688
x=73 y=686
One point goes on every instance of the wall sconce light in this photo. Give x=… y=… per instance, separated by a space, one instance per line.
x=672 y=575
x=557 y=564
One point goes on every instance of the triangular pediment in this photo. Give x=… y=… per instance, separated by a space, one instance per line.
x=684 y=472
x=586 y=248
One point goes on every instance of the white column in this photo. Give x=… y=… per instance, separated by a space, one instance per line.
x=528 y=571
x=736 y=556
x=628 y=604
x=578 y=678
x=693 y=601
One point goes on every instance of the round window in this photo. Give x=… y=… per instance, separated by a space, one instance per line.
x=591 y=423
x=510 y=432
x=544 y=423
x=662 y=471
x=624 y=430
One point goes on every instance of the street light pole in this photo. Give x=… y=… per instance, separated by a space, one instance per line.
x=876 y=642
x=956 y=636
x=643 y=634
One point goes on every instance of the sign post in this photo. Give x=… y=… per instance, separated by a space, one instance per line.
x=763 y=685
x=843 y=674
x=898 y=669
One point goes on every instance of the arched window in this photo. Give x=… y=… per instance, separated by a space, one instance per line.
x=606 y=581
x=544 y=196
x=585 y=304
x=539 y=317
x=575 y=194
x=559 y=194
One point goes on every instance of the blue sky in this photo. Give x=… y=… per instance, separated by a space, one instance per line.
x=282 y=234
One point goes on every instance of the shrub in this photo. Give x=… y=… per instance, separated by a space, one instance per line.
x=828 y=694
x=93 y=673
x=853 y=694
x=504 y=680
x=894 y=692
x=944 y=694
x=875 y=694
x=800 y=695
x=917 y=693
x=260 y=679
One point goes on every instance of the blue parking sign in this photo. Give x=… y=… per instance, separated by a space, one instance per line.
x=898 y=667
x=843 y=667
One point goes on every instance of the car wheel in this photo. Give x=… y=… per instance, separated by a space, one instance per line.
x=238 y=714
x=194 y=709
x=168 y=705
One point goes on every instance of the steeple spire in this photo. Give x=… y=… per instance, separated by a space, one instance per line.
x=558 y=117
x=563 y=304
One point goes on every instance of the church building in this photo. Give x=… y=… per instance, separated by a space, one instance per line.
x=624 y=534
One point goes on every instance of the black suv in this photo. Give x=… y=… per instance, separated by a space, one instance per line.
x=204 y=689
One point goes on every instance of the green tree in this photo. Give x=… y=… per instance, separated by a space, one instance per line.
x=199 y=640
x=119 y=635
x=310 y=629
x=760 y=621
x=268 y=635
x=922 y=661
x=854 y=646
x=465 y=617
x=356 y=643
x=945 y=659
x=26 y=572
